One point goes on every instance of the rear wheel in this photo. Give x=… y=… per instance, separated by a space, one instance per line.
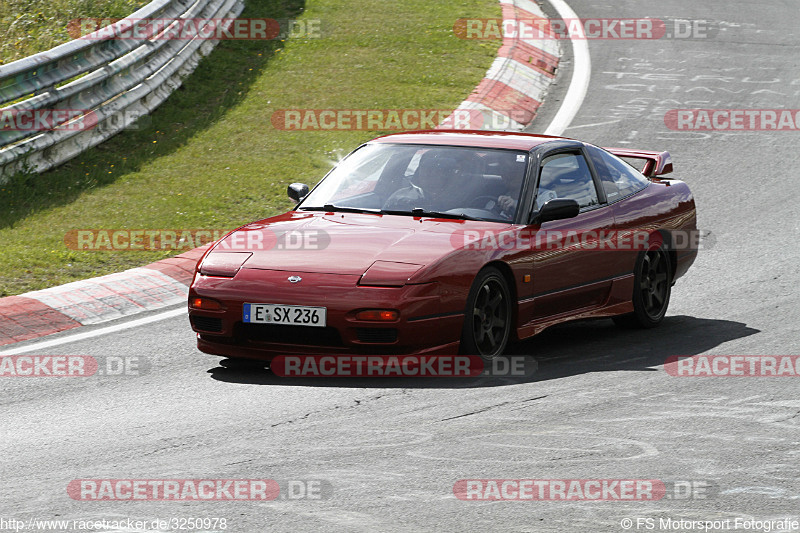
x=487 y=321
x=651 y=290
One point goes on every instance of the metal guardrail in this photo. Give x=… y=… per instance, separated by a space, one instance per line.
x=114 y=81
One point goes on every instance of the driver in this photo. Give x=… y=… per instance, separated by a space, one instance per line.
x=512 y=172
x=436 y=176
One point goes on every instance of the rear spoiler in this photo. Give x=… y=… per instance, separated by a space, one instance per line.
x=657 y=163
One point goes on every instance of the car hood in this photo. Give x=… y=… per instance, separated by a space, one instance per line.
x=347 y=243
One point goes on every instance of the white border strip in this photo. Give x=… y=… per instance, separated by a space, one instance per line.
x=522 y=78
x=581 y=72
x=104 y=298
x=75 y=337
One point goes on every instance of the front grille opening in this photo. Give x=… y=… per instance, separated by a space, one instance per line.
x=283 y=334
x=377 y=335
x=207 y=323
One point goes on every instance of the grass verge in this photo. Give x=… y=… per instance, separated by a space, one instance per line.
x=210 y=158
x=31 y=26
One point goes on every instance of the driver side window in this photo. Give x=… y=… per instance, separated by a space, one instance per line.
x=566 y=176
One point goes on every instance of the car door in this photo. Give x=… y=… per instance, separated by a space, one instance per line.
x=632 y=215
x=572 y=267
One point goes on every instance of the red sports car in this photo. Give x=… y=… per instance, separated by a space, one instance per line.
x=440 y=242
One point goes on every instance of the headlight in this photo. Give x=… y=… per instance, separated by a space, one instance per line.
x=223 y=264
x=388 y=274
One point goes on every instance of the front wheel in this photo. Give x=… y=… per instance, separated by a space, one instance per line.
x=651 y=290
x=487 y=320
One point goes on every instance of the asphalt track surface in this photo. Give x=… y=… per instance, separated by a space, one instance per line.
x=601 y=405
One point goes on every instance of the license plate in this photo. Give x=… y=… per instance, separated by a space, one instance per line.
x=292 y=315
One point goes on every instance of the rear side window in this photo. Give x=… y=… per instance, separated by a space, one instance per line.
x=619 y=179
x=566 y=176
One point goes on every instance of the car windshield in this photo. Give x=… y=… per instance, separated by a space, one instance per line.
x=414 y=180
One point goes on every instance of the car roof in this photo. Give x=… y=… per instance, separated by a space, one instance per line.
x=484 y=139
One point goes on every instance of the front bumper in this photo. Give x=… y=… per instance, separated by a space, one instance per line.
x=430 y=316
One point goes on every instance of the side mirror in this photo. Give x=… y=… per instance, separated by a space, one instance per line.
x=557 y=209
x=297 y=191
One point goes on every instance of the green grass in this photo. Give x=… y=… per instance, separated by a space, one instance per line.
x=31 y=26
x=209 y=158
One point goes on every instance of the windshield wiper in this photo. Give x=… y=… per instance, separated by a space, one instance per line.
x=417 y=212
x=343 y=209
x=420 y=212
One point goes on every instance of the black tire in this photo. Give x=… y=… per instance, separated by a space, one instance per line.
x=652 y=287
x=487 y=316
